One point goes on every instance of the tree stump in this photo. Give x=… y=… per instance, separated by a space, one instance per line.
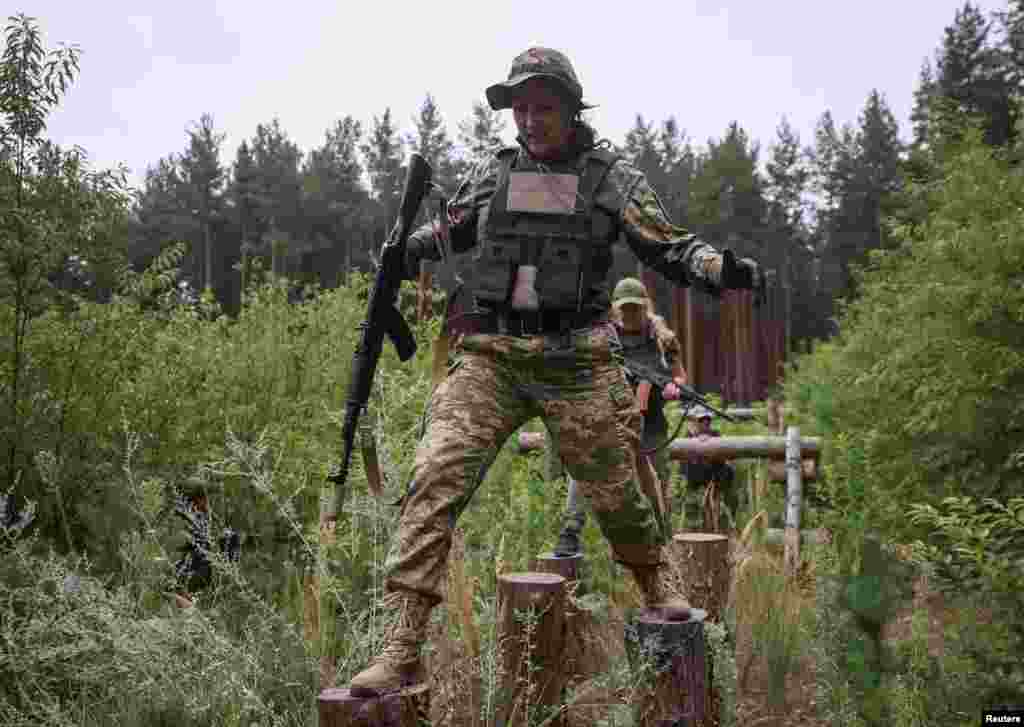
x=671 y=656
x=701 y=562
x=531 y=639
x=407 y=708
x=578 y=622
x=569 y=567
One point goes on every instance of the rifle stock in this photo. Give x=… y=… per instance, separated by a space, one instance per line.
x=382 y=318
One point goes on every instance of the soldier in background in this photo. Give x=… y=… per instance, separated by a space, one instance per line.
x=646 y=338
x=707 y=483
x=193 y=570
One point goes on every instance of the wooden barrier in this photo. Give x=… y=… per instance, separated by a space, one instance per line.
x=531 y=639
x=675 y=693
x=726 y=448
x=776 y=536
x=715 y=449
x=776 y=470
x=407 y=708
x=794 y=497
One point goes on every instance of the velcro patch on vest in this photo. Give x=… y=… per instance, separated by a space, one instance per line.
x=542 y=193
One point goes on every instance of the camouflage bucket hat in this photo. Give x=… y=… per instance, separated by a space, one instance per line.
x=629 y=290
x=536 y=63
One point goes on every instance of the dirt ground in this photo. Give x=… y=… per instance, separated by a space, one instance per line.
x=600 y=644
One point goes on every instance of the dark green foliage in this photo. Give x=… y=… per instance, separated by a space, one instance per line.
x=971 y=71
x=974 y=550
x=335 y=201
x=478 y=136
x=431 y=141
x=384 y=160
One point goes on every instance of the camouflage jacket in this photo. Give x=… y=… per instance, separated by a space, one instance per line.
x=625 y=195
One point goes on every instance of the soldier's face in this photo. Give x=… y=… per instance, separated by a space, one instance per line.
x=632 y=316
x=542 y=119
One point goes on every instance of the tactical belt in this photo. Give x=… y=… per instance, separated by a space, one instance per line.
x=524 y=324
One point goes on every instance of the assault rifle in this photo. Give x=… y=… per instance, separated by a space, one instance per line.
x=643 y=376
x=382 y=317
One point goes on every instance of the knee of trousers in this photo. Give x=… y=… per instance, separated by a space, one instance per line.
x=418 y=558
x=637 y=539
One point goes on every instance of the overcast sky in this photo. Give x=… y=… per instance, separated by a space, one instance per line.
x=150 y=69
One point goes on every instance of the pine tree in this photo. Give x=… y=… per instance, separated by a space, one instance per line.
x=162 y=213
x=678 y=164
x=335 y=196
x=384 y=160
x=203 y=176
x=243 y=196
x=923 y=94
x=1012 y=24
x=860 y=174
x=974 y=76
x=788 y=176
x=642 y=149
x=278 y=192
x=727 y=202
x=431 y=141
x=478 y=137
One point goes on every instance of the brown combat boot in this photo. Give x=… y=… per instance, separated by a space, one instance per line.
x=651 y=580
x=398 y=664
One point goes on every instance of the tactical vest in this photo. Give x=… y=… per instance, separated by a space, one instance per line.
x=643 y=348
x=571 y=247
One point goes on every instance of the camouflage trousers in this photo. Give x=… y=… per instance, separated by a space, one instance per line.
x=694 y=494
x=576 y=516
x=496 y=385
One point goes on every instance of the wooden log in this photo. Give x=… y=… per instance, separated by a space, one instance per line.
x=700 y=561
x=713 y=449
x=775 y=416
x=776 y=470
x=531 y=639
x=407 y=708
x=726 y=448
x=746 y=413
x=672 y=656
x=794 y=494
x=816 y=536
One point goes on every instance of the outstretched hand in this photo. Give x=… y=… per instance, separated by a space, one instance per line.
x=743 y=274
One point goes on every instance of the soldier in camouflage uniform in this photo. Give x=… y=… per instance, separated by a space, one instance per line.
x=191 y=540
x=700 y=474
x=536 y=223
x=644 y=337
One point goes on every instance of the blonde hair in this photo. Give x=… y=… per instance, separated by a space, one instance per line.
x=668 y=342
